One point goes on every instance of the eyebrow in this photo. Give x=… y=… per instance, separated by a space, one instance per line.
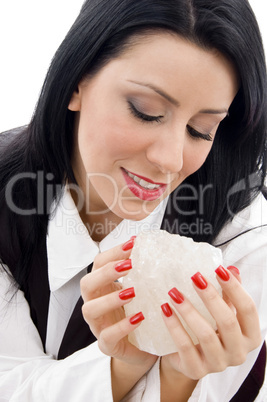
x=174 y=101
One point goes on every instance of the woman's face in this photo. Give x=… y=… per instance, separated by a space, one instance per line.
x=147 y=121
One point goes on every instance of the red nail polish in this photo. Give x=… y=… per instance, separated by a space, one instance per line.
x=127 y=294
x=128 y=245
x=176 y=296
x=222 y=273
x=123 y=266
x=234 y=269
x=137 y=318
x=199 y=281
x=167 y=311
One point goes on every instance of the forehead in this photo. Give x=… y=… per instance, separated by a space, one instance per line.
x=176 y=51
x=176 y=65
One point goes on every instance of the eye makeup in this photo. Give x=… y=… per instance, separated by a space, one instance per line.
x=143 y=116
x=198 y=135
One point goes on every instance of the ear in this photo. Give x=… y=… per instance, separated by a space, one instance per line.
x=75 y=101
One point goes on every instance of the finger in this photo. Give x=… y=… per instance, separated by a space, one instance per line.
x=93 y=283
x=95 y=308
x=187 y=359
x=109 y=339
x=235 y=271
x=246 y=310
x=120 y=252
x=210 y=346
x=226 y=320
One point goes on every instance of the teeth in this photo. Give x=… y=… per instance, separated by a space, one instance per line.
x=143 y=183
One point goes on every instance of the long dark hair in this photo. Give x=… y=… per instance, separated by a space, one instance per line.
x=104 y=29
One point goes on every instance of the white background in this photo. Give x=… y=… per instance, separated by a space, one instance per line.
x=30 y=33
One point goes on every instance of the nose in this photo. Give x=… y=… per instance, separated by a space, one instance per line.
x=167 y=151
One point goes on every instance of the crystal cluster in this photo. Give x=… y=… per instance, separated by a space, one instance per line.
x=160 y=262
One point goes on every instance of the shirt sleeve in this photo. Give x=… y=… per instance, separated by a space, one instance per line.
x=28 y=374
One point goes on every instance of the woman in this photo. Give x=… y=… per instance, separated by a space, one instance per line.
x=152 y=115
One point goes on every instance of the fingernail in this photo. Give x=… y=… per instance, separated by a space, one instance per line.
x=176 y=296
x=199 y=281
x=234 y=269
x=123 y=266
x=222 y=273
x=167 y=311
x=127 y=294
x=128 y=245
x=137 y=318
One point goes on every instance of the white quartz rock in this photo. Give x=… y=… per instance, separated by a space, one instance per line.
x=160 y=262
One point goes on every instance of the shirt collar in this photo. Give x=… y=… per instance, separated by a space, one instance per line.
x=70 y=248
x=252 y=217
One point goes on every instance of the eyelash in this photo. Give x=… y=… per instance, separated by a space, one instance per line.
x=145 y=118
x=150 y=119
x=197 y=135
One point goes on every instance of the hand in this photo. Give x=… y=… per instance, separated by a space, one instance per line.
x=103 y=311
x=238 y=330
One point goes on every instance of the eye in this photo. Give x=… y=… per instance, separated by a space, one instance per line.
x=145 y=118
x=197 y=135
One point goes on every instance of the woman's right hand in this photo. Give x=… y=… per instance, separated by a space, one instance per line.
x=104 y=313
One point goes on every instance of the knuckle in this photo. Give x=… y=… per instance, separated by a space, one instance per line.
x=207 y=336
x=185 y=346
x=104 y=338
x=238 y=358
x=97 y=261
x=198 y=373
x=84 y=284
x=220 y=366
x=230 y=322
x=249 y=308
x=257 y=341
x=103 y=344
x=212 y=295
x=86 y=312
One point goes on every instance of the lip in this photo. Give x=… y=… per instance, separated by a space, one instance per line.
x=145 y=178
x=141 y=192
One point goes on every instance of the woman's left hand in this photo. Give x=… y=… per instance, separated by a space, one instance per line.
x=238 y=329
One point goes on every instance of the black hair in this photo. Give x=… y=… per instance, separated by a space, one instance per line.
x=233 y=173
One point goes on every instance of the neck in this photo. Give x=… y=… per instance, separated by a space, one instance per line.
x=99 y=226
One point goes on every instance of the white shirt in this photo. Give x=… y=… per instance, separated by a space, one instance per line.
x=28 y=374
x=70 y=250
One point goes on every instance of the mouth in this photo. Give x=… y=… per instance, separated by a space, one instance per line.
x=142 y=187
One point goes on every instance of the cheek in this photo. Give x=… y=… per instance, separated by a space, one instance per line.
x=195 y=157
x=121 y=139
